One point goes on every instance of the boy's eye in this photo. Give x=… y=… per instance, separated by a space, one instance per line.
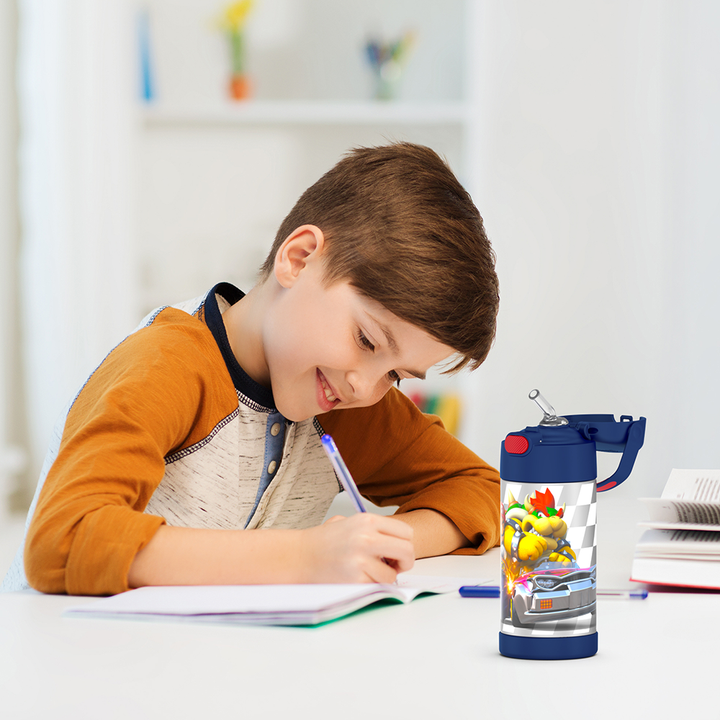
x=367 y=345
x=364 y=342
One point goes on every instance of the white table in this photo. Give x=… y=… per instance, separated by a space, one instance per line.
x=434 y=658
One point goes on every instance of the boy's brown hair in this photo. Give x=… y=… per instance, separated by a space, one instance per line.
x=402 y=230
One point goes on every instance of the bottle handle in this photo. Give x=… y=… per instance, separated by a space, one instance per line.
x=626 y=436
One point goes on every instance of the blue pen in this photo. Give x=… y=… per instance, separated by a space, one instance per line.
x=623 y=594
x=493 y=591
x=480 y=591
x=342 y=472
x=346 y=479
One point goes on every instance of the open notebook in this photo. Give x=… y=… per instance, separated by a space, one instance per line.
x=262 y=604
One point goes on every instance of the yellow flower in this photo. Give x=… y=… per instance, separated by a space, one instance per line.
x=234 y=16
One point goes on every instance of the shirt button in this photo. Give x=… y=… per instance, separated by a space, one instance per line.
x=275 y=429
x=271 y=467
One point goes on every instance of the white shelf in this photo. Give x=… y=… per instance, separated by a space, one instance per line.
x=266 y=112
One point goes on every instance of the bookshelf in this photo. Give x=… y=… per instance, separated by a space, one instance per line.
x=220 y=174
x=290 y=113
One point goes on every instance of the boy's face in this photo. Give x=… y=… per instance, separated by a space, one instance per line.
x=329 y=347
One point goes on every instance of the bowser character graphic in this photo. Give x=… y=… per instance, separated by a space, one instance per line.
x=534 y=532
x=542 y=579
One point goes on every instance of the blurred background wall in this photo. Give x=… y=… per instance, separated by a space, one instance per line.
x=585 y=132
x=13 y=428
x=599 y=168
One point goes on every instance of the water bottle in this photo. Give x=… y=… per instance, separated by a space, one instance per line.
x=549 y=518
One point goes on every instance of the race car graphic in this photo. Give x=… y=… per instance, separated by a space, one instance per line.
x=543 y=581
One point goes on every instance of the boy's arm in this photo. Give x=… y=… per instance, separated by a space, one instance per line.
x=89 y=521
x=434 y=533
x=361 y=548
x=398 y=456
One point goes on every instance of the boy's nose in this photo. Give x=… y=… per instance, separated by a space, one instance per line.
x=362 y=384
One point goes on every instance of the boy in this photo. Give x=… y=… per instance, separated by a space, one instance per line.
x=192 y=454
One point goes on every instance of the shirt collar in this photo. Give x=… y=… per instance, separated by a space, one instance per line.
x=213 y=317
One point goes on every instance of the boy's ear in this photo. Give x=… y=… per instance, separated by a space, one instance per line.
x=304 y=245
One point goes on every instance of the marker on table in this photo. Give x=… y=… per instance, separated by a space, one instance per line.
x=480 y=591
x=493 y=591
x=342 y=472
x=623 y=594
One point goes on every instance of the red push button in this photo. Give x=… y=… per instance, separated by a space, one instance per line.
x=516 y=444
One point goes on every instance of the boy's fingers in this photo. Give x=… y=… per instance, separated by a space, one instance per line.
x=399 y=552
x=390 y=539
x=364 y=548
x=394 y=527
x=382 y=572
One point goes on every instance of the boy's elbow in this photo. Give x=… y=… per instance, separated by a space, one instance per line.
x=44 y=565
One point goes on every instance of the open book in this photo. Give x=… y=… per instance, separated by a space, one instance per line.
x=262 y=604
x=683 y=538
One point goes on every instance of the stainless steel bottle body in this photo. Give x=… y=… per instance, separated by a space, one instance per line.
x=549 y=559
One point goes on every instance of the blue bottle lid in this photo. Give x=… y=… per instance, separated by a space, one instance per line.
x=564 y=450
x=548 y=455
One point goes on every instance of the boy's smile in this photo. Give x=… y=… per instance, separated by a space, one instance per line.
x=327 y=397
x=321 y=346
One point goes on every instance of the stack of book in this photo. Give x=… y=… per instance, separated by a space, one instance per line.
x=682 y=543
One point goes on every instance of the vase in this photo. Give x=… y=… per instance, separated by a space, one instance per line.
x=239 y=87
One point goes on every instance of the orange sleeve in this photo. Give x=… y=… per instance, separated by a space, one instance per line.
x=141 y=403
x=399 y=456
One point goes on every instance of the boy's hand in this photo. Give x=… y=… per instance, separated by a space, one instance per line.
x=362 y=548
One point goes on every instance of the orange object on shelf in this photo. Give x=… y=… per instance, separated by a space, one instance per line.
x=240 y=87
x=447 y=407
